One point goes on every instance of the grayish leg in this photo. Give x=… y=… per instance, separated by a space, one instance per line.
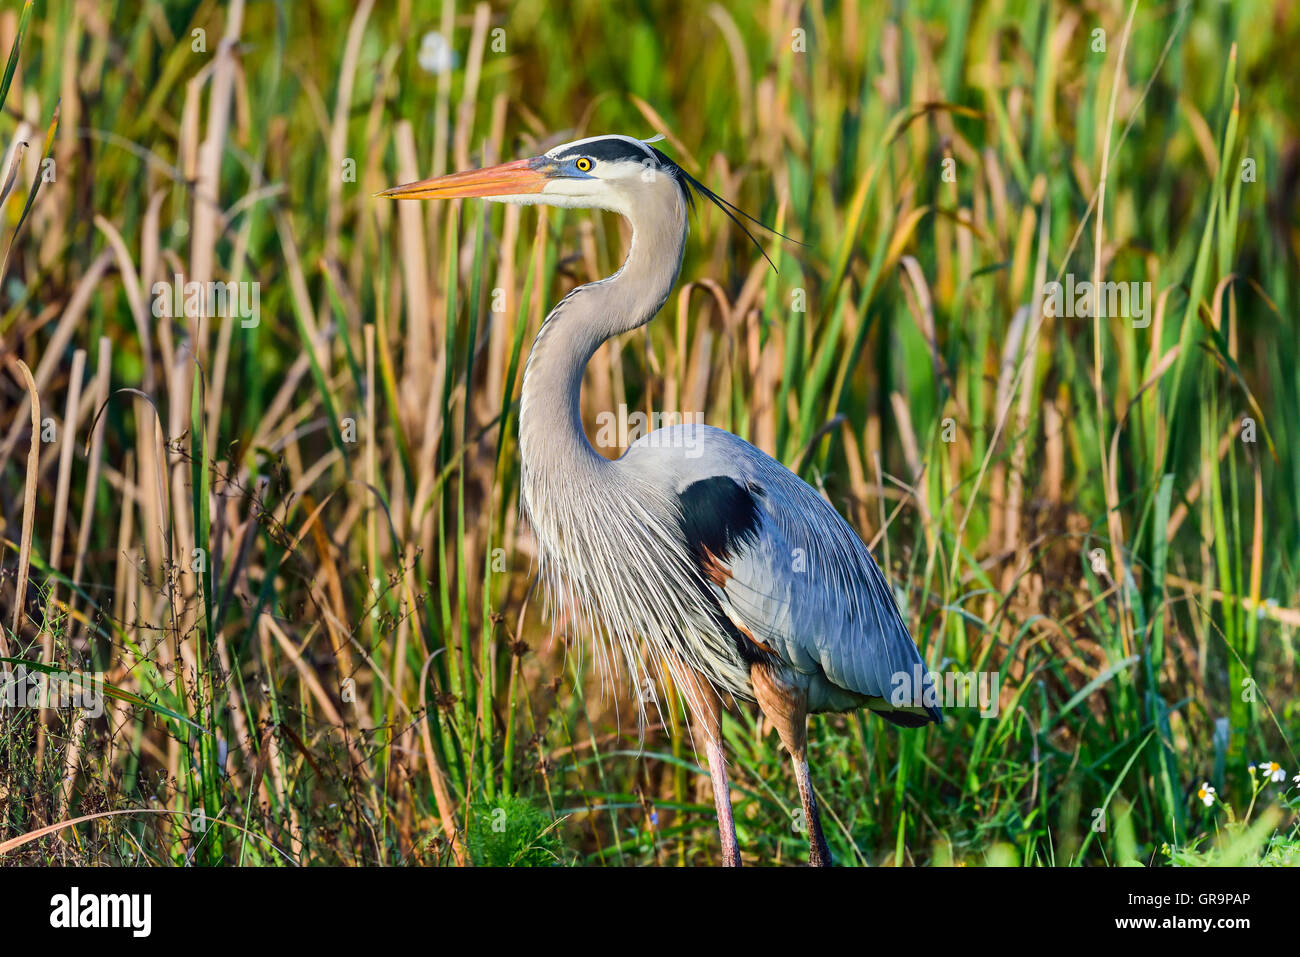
x=709 y=727
x=786 y=706
x=819 y=855
x=722 y=801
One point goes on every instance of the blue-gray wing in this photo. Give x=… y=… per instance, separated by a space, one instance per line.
x=794 y=578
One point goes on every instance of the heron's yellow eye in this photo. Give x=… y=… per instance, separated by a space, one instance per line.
x=583 y=164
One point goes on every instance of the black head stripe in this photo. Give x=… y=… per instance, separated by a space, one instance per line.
x=608 y=150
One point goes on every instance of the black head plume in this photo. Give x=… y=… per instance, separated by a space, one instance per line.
x=692 y=186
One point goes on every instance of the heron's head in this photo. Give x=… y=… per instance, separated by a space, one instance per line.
x=618 y=173
x=600 y=172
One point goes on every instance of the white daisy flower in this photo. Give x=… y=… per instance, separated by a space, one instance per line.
x=1206 y=793
x=1271 y=771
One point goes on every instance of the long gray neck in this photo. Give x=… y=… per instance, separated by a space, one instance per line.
x=551 y=435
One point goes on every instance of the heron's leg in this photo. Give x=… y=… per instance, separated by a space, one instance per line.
x=819 y=855
x=709 y=723
x=786 y=706
x=722 y=802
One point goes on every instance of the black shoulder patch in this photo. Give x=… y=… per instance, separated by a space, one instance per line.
x=718 y=515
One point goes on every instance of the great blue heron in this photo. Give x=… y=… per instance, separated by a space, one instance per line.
x=726 y=569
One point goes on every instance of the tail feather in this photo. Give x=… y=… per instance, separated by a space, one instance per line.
x=911 y=719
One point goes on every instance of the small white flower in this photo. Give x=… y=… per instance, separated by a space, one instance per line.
x=1271 y=771
x=435 y=53
x=1206 y=794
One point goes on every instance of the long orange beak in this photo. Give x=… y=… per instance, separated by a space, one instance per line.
x=508 y=179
